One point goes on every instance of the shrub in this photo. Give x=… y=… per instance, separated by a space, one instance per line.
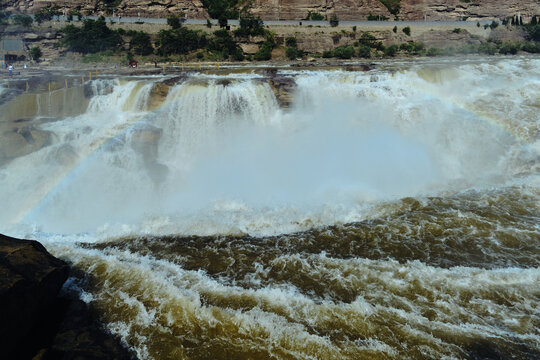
x=530 y=47
x=407 y=30
x=291 y=41
x=23 y=20
x=414 y=48
x=4 y=17
x=327 y=54
x=35 y=53
x=509 y=48
x=395 y=29
x=364 y=51
x=487 y=48
x=367 y=39
x=534 y=32
x=493 y=25
x=434 y=52
x=392 y=5
x=293 y=52
x=372 y=17
x=334 y=21
x=391 y=50
x=74 y=13
x=265 y=51
x=208 y=24
x=354 y=28
x=314 y=16
x=344 y=52
x=478 y=24
x=221 y=8
x=47 y=13
x=456 y=30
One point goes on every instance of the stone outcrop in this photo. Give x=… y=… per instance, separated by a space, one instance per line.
x=37 y=323
x=298 y=9
x=30 y=279
x=283 y=88
x=475 y=9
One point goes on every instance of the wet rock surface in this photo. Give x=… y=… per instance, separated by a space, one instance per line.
x=39 y=321
x=283 y=89
x=21 y=141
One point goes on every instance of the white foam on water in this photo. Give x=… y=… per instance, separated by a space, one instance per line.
x=228 y=160
x=165 y=301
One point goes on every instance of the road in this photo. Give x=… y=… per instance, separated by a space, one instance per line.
x=360 y=23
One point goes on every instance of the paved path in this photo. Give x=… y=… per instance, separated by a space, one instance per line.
x=362 y=23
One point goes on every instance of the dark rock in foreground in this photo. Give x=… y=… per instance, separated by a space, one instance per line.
x=37 y=323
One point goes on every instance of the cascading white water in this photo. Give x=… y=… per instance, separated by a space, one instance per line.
x=229 y=151
x=415 y=189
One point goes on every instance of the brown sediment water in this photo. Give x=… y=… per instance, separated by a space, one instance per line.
x=384 y=214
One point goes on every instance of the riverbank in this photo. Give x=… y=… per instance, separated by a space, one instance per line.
x=311 y=42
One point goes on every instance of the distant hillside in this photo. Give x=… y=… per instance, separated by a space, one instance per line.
x=299 y=9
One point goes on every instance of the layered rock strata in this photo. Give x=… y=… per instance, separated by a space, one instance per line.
x=298 y=9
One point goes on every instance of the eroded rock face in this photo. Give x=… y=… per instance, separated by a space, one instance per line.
x=38 y=319
x=158 y=94
x=457 y=9
x=283 y=88
x=298 y=9
x=30 y=279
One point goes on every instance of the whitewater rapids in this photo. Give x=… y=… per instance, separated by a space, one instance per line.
x=386 y=214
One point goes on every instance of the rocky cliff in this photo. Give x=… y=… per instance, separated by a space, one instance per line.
x=36 y=322
x=298 y=9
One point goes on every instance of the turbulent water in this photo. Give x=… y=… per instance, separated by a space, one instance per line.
x=387 y=214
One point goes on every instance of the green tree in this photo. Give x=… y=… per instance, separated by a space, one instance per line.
x=292 y=52
x=327 y=54
x=291 y=41
x=35 y=53
x=140 y=43
x=391 y=50
x=364 y=51
x=47 y=13
x=23 y=20
x=265 y=51
x=92 y=37
x=180 y=41
x=250 y=25
x=334 y=20
x=174 y=22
